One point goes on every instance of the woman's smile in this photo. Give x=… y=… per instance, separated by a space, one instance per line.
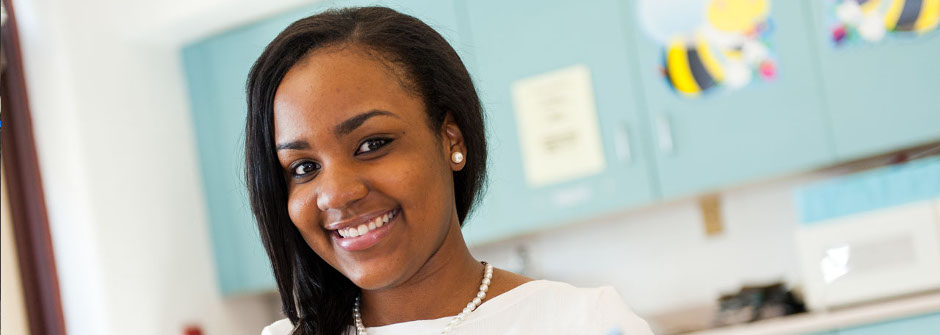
x=365 y=231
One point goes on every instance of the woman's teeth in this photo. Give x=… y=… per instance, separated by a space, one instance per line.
x=378 y=222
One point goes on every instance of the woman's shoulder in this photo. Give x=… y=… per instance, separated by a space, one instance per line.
x=563 y=294
x=279 y=327
x=565 y=306
x=284 y=327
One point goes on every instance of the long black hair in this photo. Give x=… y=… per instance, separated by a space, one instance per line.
x=317 y=298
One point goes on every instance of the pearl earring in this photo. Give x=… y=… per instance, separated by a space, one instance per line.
x=457 y=157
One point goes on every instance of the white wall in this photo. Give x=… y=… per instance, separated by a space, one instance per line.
x=660 y=259
x=119 y=166
x=13 y=317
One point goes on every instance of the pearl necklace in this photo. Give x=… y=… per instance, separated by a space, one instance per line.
x=471 y=306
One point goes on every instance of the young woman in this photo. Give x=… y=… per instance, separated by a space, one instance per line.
x=365 y=152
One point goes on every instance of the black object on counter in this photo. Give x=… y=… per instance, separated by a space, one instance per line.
x=753 y=303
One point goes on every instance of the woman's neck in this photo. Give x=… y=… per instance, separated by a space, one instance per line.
x=442 y=287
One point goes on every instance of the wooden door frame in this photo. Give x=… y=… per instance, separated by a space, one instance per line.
x=24 y=184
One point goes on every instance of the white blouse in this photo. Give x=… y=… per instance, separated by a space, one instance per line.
x=536 y=307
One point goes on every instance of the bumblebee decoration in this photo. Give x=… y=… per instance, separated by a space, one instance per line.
x=692 y=68
x=872 y=20
x=918 y=16
x=710 y=44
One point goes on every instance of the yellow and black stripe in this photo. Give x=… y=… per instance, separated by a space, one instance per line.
x=692 y=69
x=868 y=6
x=913 y=15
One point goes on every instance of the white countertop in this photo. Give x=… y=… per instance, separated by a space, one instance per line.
x=806 y=323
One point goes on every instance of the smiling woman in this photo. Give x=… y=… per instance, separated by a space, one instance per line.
x=365 y=152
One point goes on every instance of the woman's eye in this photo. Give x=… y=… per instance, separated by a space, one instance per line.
x=305 y=168
x=372 y=144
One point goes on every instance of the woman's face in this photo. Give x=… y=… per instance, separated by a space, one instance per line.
x=370 y=184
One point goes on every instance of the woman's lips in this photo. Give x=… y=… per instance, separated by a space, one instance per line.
x=364 y=236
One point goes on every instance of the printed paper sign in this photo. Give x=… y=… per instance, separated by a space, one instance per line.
x=558 y=127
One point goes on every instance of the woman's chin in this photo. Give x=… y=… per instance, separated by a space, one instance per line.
x=375 y=279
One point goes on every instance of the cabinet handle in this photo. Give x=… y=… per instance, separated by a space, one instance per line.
x=622 y=143
x=664 y=132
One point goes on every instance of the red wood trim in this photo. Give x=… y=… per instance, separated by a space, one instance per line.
x=24 y=184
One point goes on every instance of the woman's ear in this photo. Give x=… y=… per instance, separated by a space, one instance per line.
x=452 y=140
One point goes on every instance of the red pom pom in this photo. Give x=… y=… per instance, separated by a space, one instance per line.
x=768 y=69
x=838 y=34
x=192 y=330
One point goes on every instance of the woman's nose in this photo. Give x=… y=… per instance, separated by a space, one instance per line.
x=339 y=188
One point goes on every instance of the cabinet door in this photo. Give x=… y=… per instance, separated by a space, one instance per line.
x=881 y=94
x=728 y=101
x=919 y=325
x=216 y=69
x=516 y=40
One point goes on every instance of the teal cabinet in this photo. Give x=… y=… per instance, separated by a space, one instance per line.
x=919 y=325
x=730 y=131
x=216 y=69
x=881 y=96
x=518 y=40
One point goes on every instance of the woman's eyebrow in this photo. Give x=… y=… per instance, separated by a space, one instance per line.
x=295 y=145
x=340 y=130
x=354 y=122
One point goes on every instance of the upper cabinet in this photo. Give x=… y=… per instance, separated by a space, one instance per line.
x=565 y=131
x=880 y=72
x=731 y=91
x=216 y=69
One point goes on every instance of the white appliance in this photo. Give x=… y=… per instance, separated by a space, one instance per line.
x=871 y=255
